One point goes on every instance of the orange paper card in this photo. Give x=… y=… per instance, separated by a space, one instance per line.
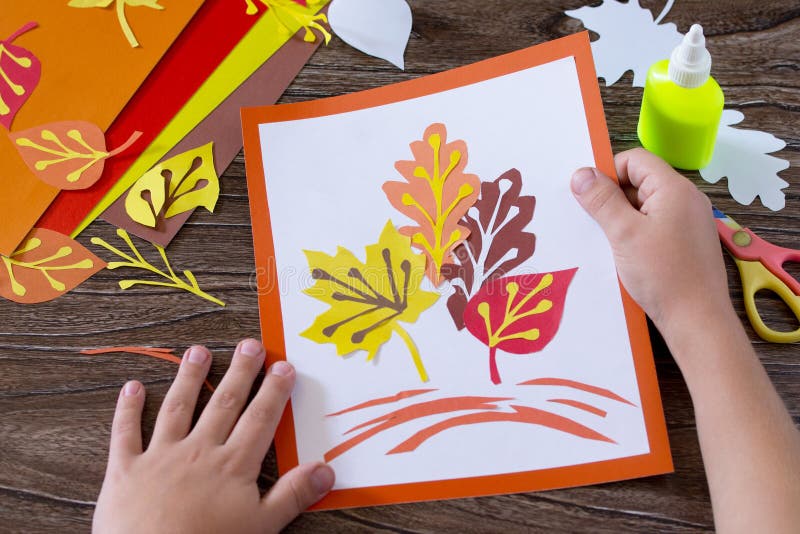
x=74 y=64
x=454 y=316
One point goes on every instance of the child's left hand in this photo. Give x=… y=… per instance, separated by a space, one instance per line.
x=203 y=479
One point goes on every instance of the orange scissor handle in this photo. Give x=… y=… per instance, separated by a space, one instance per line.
x=756 y=277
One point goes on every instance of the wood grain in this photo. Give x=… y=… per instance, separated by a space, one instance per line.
x=56 y=404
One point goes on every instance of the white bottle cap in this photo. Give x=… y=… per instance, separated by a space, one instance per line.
x=690 y=62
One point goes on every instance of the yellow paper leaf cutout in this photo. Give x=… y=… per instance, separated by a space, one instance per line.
x=290 y=14
x=368 y=300
x=180 y=184
x=120 y=7
x=137 y=261
x=45 y=266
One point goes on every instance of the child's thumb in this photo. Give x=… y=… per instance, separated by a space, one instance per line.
x=603 y=199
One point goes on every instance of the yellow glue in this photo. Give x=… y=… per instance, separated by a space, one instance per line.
x=682 y=105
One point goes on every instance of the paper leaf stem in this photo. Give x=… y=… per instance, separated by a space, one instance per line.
x=379 y=28
x=368 y=300
x=497 y=241
x=45 y=266
x=436 y=194
x=291 y=13
x=742 y=156
x=162 y=354
x=68 y=155
x=518 y=314
x=137 y=261
x=630 y=39
x=120 y=8
x=20 y=72
x=180 y=184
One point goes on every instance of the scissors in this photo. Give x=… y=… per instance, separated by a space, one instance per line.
x=761 y=267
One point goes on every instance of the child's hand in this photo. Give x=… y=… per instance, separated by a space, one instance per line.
x=663 y=236
x=204 y=479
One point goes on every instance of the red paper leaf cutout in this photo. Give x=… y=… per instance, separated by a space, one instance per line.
x=20 y=72
x=518 y=314
x=45 y=266
x=497 y=241
x=521 y=414
x=68 y=155
x=436 y=194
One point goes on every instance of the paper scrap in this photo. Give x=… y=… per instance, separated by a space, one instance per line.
x=137 y=261
x=177 y=185
x=45 y=266
x=20 y=72
x=742 y=156
x=380 y=28
x=518 y=314
x=630 y=39
x=68 y=155
x=436 y=194
x=497 y=241
x=368 y=300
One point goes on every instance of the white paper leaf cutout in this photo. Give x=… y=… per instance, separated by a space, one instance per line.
x=630 y=39
x=379 y=28
x=743 y=157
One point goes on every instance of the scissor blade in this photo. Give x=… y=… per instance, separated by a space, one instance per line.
x=727 y=221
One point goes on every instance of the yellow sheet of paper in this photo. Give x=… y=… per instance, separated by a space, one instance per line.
x=263 y=40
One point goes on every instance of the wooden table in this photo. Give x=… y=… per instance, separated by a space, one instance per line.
x=56 y=404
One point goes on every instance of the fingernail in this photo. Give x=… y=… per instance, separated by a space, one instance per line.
x=197 y=355
x=281 y=368
x=582 y=180
x=131 y=389
x=251 y=348
x=322 y=479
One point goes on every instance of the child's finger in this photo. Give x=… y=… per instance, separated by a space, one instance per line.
x=605 y=201
x=295 y=491
x=126 y=429
x=645 y=171
x=175 y=416
x=226 y=403
x=254 y=431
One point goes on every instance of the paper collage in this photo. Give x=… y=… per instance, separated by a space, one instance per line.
x=631 y=39
x=78 y=57
x=482 y=297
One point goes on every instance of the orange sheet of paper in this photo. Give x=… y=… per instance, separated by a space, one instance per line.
x=89 y=72
x=274 y=303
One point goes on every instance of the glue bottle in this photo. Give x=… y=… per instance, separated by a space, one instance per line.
x=682 y=105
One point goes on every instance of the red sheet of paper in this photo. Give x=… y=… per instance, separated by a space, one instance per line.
x=215 y=30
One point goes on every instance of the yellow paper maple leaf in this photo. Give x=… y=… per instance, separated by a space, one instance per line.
x=368 y=300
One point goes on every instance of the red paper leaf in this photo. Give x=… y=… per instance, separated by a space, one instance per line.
x=20 y=71
x=45 y=266
x=497 y=242
x=68 y=155
x=518 y=314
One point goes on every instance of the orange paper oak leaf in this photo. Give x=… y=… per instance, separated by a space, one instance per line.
x=45 y=266
x=436 y=195
x=68 y=155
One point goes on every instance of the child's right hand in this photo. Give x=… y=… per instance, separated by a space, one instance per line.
x=663 y=236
